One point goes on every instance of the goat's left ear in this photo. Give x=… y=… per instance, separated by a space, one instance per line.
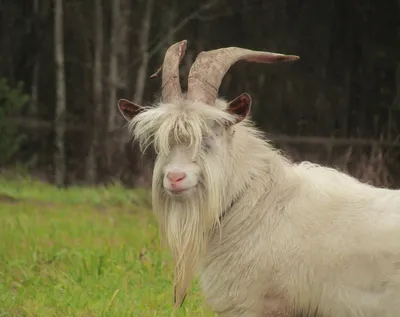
x=129 y=109
x=240 y=107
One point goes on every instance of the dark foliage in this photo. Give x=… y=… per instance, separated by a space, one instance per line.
x=346 y=84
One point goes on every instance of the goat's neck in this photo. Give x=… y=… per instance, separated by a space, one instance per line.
x=257 y=169
x=256 y=163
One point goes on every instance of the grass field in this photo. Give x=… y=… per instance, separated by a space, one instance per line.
x=83 y=252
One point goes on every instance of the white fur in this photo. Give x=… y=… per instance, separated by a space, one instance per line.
x=298 y=237
x=180 y=162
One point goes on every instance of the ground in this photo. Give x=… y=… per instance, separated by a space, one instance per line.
x=83 y=252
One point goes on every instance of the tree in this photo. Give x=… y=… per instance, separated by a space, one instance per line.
x=97 y=107
x=60 y=112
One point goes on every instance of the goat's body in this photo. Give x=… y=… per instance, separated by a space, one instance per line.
x=309 y=239
x=270 y=238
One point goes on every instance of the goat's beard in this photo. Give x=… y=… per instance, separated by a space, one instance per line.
x=186 y=225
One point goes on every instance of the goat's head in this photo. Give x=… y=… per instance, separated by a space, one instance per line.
x=192 y=134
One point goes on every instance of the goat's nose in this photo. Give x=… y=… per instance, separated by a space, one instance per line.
x=176 y=176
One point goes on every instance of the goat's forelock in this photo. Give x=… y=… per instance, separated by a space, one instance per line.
x=170 y=124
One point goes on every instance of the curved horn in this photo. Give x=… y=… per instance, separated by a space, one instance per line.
x=210 y=67
x=171 y=87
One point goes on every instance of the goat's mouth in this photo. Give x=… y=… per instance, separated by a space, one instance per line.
x=177 y=192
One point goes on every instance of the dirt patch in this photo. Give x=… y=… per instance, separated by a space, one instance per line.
x=7 y=199
x=4 y=198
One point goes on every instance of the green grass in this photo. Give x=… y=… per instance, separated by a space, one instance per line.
x=83 y=252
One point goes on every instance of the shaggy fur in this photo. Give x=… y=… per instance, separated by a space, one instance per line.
x=268 y=237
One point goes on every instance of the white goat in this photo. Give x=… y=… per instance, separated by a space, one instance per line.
x=267 y=236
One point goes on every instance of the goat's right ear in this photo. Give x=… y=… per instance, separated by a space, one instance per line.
x=129 y=109
x=240 y=107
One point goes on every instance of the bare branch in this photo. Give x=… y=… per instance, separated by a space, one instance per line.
x=160 y=44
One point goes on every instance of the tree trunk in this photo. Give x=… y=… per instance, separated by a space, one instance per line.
x=124 y=41
x=96 y=109
x=34 y=106
x=110 y=148
x=60 y=111
x=35 y=87
x=141 y=77
x=171 y=17
x=113 y=66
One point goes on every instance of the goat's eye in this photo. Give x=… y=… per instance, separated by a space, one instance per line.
x=207 y=147
x=207 y=139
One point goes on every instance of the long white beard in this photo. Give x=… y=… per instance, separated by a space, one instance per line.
x=186 y=225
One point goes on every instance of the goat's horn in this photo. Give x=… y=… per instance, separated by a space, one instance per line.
x=210 y=67
x=171 y=87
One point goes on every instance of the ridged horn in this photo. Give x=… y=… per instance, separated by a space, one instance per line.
x=210 y=67
x=171 y=87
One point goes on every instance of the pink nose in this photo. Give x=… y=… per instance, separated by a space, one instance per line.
x=176 y=177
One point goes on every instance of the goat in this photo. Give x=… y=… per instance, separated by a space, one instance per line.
x=266 y=236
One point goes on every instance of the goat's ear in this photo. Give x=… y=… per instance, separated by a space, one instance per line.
x=129 y=109
x=240 y=106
